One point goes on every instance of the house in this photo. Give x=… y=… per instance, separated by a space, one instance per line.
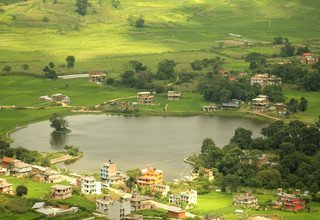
x=5 y=187
x=307 y=58
x=20 y=169
x=61 y=191
x=114 y=209
x=145 y=98
x=3 y=171
x=189 y=197
x=264 y=80
x=52 y=211
x=209 y=108
x=261 y=103
x=175 y=212
x=281 y=107
x=139 y=202
x=7 y=162
x=109 y=174
x=88 y=185
x=174 y=96
x=212 y=217
x=290 y=202
x=58 y=97
x=230 y=105
x=245 y=200
x=150 y=177
x=96 y=76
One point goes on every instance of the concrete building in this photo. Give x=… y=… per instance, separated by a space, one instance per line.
x=245 y=200
x=307 y=58
x=264 y=80
x=139 y=202
x=209 y=108
x=109 y=174
x=145 y=98
x=173 y=96
x=61 y=191
x=20 y=169
x=150 y=177
x=114 y=209
x=5 y=187
x=163 y=189
x=96 y=76
x=261 y=103
x=189 y=197
x=88 y=185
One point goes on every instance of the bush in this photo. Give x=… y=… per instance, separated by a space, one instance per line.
x=139 y=22
x=45 y=19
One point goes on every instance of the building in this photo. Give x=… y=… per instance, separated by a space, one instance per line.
x=96 y=76
x=133 y=217
x=307 y=58
x=145 y=98
x=61 y=191
x=109 y=174
x=7 y=162
x=5 y=187
x=114 y=209
x=88 y=185
x=3 y=171
x=261 y=103
x=264 y=80
x=174 y=96
x=281 y=108
x=177 y=213
x=150 y=177
x=189 y=197
x=290 y=202
x=20 y=169
x=139 y=202
x=245 y=200
x=229 y=105
x=209 y=108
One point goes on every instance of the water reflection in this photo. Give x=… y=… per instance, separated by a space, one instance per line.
x=58 y=139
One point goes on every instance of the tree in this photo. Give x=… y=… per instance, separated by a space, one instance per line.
x=197 y=65
x=50 y=73
x=302 y=50
x=82 y=6
x=110 y=81
x=270 y=178
x=257 y=60
x=137 y=66
x=274 y=92
x=70 y=61
x=58 y=122
x=139 y=22
x=277 y=40
x=166 y=70
x=293 y=106
x=51 y=65
x=7 y=69
x=242 y=138
x=287 y=50
x=45 y=162
x=21 y=190
x=303 y=105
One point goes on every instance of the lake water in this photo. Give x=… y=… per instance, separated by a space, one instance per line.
x=134 y=142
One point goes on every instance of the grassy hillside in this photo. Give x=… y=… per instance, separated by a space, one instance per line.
x=103 y=39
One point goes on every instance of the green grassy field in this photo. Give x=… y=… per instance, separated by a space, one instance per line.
x=180 y=30
x=216 y=203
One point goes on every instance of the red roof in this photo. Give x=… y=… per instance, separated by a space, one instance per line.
x=306 y=54
x=7 y=160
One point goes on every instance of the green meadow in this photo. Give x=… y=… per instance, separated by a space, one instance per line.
x=180 y=30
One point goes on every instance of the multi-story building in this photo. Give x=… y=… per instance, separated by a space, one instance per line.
x=261 y=103
x=19 y=168
x=5 y=187
x=61 y=191
x=264 y=80
x=245 y=200
x=145 y=98
x=139 y=202
x=114 y=209
x=88 y=185
x=96 y=76
x=150 y=177
x=109 y=174
x=189 y=197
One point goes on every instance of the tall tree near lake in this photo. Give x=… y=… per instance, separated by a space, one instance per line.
x=59 y=123
x=70 y=61
x=242 y=138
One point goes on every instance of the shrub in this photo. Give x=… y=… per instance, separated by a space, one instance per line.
x=45 y=19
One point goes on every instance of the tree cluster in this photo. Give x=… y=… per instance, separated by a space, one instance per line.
x=293 y=106
x=219 y=90
x=49 y=71
x=293 y=151
x=137 y=76
x=82 y=6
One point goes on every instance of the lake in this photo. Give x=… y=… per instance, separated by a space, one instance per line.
x=134 y=142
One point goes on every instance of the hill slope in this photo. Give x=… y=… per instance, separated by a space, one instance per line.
x=170 y=26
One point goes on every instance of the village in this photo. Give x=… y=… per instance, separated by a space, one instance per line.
x=115 y=200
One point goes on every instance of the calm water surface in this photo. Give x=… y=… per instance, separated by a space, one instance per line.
x=134 y=142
